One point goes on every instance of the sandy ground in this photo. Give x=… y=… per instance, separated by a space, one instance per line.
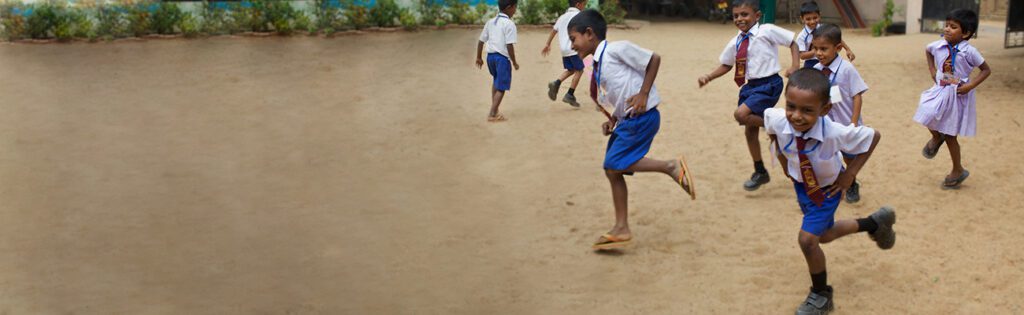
x=357 y=175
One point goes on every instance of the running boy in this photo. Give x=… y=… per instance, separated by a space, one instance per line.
x=623 y=78
x=846 y=86
x=809 y=144
x=499 y=34
x=810 y=14
x=570 y=59
x=756 y=58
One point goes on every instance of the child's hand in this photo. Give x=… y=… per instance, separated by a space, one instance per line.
x=479 y=63
x=850 y=55
x=964 y=88
x=703 y=80
x=607 y=127
x=544 y=52
x=790 y=71
x=638 y=103
x=516 y=65
x=842 y=183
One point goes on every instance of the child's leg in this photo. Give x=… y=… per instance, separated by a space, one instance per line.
x=954 y=154
x=576 y=80
x=620 y=201
x=496 y=96
x=746 y=117
x=565 y=75
x=753 y=144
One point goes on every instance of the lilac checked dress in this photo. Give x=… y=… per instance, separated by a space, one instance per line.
x=941 y=109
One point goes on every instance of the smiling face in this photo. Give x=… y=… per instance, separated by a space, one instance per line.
x=745 y=17
x=583 y=43
x=804 y=108
x=824 y=50
x=811 y=20
x=953 y=33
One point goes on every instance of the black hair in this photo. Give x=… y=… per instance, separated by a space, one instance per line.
x=810 y=79
x=504 y=4
x=572 y=3
x=589 y=18
x=753 y=4
x=967 y=19
x=809 y=7
x=830 y=32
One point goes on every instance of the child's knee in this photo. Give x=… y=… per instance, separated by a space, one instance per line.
x=808 y=242
x=612 y=174
x=740 y=116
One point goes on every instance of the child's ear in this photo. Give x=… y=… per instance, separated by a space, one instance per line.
x=826 y=108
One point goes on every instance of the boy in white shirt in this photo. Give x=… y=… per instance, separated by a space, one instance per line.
x=809 y=146
x=810 y=14
x=623 y=78
x=571 y=61
x=499 y=34
x=753 y=51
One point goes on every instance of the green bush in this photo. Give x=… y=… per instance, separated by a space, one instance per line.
x=189 y=25
x=110 y=21
x=553 y=9
x=81 y=25
x=240 y=18
x=281 y=15
x=878 y=29
x=385 y=13
x=301 y=22
x=43 y=20
x=139 y=17
x=327 y=16
x=530 y=11
x=408 y=20
x=12 y=21
x=166 y=17
x=483 y=12
x=613 y=12
x=460 y=12
x=356 y=16
x=215 y=20
x=431 y=12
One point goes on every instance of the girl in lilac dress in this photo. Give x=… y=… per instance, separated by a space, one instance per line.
x=947 y=109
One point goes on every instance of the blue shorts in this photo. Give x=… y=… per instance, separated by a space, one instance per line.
x=501 y=70
x=573 y=63
x=817 y=219
x=631 y=140
x=761 y=94
x=809 y=63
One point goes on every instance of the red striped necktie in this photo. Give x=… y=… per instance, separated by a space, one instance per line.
x=807 y=171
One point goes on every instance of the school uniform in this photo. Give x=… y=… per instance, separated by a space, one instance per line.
x=846 y=83
x=619 y=71
x=570 y=59
x=497 y=34
x=815 y=161
x=803 y=44
x=941 y=109
x=756 y=60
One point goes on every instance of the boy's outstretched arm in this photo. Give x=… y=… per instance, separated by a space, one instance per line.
x=807 y=55
x=849 y=52
x=985 y=72
x=512 y=56
x=705 y=79
x=547 y=47
x=479 y=50
x=858 y=102
x=846 y=177
x=639 y=101
x=796 y=59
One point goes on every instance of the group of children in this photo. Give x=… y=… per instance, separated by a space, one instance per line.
x=819 y=137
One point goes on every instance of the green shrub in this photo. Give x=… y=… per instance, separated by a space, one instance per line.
x=613 y=12
x=356 y=16
x=459 y=12
x=553 y=9
x=327 y=16
x=215 y=20
x=301 y=22
x=530 y=11
x=483 y=12
x=385 y=13
x=42 y=21
x=12 y=21
x=139 y=17
x=281 y=15
x=166 y=17
x=240 y=18
x=408 y=20
x=189 y=25
x=110 y=21
x=431 y=12
x=878 y=29
x=81 y=25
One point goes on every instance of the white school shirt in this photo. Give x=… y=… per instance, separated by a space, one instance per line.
x=498 y=33
x=830 y=140
x=845 y=76
x=803 y=40
x=762 y=55
x=562 y=27
x=621 y=70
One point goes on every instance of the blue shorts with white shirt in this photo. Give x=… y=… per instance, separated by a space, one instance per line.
x=631 y=140
x=573 y=63
x=501 y=70
x=761 y=94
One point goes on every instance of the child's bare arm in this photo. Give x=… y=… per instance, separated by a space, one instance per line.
x=547 y=47
x=807 y=54
x=479 y=51
x=849 y=52
x=796 y=59
x=512 y=56
x=778 y=153
x=846 y=177
x=639 y=101
x=857 y=102
x=985 y=72
x=931 y=65
x=705 y=79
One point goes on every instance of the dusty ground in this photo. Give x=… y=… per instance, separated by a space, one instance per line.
x=358 y=175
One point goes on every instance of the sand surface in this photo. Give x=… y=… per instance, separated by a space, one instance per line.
x=358 y=175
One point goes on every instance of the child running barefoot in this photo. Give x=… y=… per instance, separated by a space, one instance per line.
x=570 y=59
x=624 y=77
x=499 y=35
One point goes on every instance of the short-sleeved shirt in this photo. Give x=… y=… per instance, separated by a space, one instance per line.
x=827 y=140
x=803 y=40
x=762 y=55
x=967 y=58
x=621 y=69
x=498 y=33
x=845 y=76
x=562 y=28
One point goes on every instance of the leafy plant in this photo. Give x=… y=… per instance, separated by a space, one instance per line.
x=301 y=22
x=189 y=25
x=483 y=11
x=385 y=13
x=215 y=19
x=81 y=25
x=530 y=11
x=431 y=12
x=878 y=29
x=356 y=16
x=459 y=12
x=281 y=15
x=110 y=21
x=42 y=20
x=139 y=16
x=553 y=8
x=327 y=14
x=13 y=21
x=166 y=17
x=613 y=12
x=408 y=20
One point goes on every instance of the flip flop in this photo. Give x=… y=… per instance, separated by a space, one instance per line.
x=610 y=242
x=955 y=184
x=688 y=186
x=497 y=118
x=930 y=153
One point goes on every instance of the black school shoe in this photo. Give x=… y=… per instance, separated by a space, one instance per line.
x=756 y=180
x=553 y=90
x=884 y=236
x=853 y=194
x=571 y=100
x=817 y=303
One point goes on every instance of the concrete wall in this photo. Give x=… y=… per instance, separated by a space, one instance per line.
x=994 y=9
x=870 y=11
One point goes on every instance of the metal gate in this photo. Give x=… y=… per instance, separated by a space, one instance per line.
x=933 y=12
x=1015 y=24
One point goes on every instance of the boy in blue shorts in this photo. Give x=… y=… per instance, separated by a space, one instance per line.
x=570 y=59
x=809 y=146
x=499 y=35
x=755 y=56
x=623 y=78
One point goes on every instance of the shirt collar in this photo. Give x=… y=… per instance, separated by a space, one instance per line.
x=817 y=132
x=503 y=14
x=834 y=66
x=572 y=9
x=958 y=46
x=601 y=47
x=753 y=30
